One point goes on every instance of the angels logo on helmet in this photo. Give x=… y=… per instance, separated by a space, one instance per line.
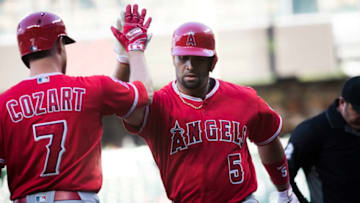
x=191 y=40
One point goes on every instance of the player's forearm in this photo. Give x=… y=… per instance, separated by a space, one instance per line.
x=136 y=118
x=139 y=71
x=272 y=152
x=122 y=72
x=273 y=158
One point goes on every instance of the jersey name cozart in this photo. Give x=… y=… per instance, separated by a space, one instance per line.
x=28 y=106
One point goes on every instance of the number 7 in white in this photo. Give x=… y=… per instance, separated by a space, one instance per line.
x=55 y=131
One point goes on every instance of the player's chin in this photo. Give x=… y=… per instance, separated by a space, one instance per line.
x=191 y=84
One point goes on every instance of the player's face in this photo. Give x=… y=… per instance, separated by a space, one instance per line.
x=349 y=114
x=192 y=72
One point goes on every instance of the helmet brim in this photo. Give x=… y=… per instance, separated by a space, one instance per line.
x=192 y=51
x=68 y=40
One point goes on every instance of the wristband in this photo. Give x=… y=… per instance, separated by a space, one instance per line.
x=285 y=194
x=121 y=54
x=278 y=172
x=122 y=59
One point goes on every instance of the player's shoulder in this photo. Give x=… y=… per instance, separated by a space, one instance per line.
x=236 y=88
x=94 y=80
x=166 y=90
x=13 y=90
x=165 y=95
x=56 y=79
x=62 y=80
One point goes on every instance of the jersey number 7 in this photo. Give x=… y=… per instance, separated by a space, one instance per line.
x=55 y=132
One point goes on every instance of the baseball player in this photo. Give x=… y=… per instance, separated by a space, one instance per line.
x=197 y=128
x=50 y=123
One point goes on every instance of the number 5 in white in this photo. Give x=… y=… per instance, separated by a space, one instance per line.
x=56 y=132
x=236 y=172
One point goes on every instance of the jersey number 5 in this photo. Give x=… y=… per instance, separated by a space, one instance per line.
x=56 y=133
x=236 y=172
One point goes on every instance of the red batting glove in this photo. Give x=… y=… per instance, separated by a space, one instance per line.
x=134 y=35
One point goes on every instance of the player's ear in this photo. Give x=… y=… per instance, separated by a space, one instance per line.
x=59 y=45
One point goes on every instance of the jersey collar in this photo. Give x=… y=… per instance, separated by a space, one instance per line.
x=210 y=94
x=43 y=75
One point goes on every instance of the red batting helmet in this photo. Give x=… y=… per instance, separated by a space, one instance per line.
x=194 y=39
x=39 y=32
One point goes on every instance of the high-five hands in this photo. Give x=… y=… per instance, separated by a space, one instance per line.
x=134 y=35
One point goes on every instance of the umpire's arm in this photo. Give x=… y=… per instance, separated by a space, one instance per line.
x=300 y=152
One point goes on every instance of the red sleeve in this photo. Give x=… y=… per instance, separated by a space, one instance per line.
x=153 y=118
x=143 y=96
x=267 y=123
x=121 y=97
x=2 y=153
x=134 y=130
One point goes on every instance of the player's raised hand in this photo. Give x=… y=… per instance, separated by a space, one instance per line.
x=122 y=55
x=134 y=34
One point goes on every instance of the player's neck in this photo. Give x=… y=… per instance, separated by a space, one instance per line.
x=45 y=65
x=200 y=92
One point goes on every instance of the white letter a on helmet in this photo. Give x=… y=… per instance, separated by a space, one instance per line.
x=191 y=40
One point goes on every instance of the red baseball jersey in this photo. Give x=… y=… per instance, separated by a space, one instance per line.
x=51 y=127
x=202 y=153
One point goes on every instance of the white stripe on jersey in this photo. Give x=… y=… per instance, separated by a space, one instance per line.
x=135 y=101
x=272 y=137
